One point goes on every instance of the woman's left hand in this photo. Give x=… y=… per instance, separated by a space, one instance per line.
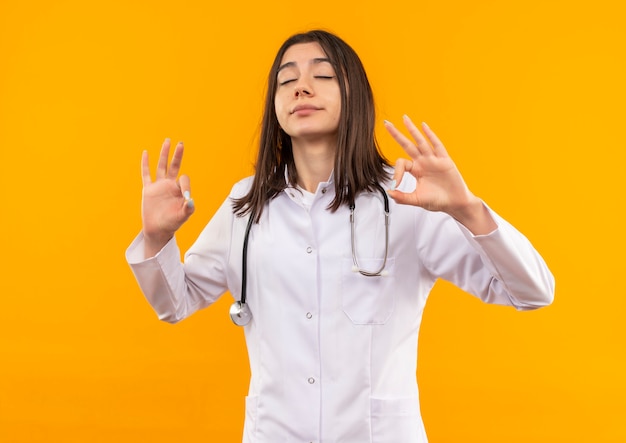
x=440 y=186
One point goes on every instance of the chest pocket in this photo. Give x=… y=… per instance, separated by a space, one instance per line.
x=367 y=300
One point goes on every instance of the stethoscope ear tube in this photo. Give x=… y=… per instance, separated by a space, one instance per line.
x=240 y=313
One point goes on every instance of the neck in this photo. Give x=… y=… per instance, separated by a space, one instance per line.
x=314 y=162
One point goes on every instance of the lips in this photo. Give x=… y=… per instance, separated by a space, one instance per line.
x=304 y=107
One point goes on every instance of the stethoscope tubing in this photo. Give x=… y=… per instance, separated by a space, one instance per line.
x=244 y=260
x=380 y=270
x=240 y=312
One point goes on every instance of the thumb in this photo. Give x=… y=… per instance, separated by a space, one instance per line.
x=402 y=198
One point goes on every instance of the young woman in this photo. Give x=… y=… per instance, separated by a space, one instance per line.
x=330 y=277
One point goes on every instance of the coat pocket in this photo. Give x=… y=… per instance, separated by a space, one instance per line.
x=367 y=300
x=397 y=420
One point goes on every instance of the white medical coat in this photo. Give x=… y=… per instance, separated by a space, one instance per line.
x=333 y=353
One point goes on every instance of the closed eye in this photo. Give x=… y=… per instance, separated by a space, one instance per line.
x=326 y=77
x=284 y=82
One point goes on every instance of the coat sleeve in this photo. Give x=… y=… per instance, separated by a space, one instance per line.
x=501 y=267
x=175 y=290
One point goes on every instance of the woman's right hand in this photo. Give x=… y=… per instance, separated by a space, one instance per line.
x=166 y=202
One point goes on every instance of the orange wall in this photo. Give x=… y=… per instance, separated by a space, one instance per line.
x=527 y=95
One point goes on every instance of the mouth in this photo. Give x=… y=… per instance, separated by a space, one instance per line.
x=304 y=108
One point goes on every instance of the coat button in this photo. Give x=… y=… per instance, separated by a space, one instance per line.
x=311 y=380
x=309 y=250
x=309 y=315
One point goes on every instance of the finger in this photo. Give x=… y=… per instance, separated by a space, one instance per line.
x=438 y=147
x=145 y=169
x=177 y=159
x=162 y=165
x=422 y=145
x=402 y=165
x=402 y=140
x=185 y=189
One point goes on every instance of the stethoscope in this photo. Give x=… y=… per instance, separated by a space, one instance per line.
x=240 y=311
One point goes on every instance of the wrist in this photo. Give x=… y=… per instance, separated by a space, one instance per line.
x=154 y=243
x=475 y=216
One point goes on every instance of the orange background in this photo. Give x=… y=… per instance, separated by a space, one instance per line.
x=528 y=96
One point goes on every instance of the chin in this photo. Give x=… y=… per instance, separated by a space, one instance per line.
x=313 y=131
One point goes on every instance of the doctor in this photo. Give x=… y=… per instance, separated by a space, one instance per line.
x=335 y=289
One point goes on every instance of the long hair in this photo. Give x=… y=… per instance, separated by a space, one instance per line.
x=359 y=164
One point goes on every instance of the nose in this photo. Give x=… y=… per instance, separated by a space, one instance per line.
x=301 y=90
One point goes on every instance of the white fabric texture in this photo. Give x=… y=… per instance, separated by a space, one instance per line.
x=333 y=353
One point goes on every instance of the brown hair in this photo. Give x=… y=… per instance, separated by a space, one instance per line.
x=359 y=164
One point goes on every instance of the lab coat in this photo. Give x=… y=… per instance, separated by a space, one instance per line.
x=333 y=353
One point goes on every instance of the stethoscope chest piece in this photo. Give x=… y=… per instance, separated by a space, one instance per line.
x=240 y=313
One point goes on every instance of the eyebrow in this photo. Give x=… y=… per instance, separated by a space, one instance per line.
x=315 y=61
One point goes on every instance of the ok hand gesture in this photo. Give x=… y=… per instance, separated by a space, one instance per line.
x=166 y=202
x=440 y=186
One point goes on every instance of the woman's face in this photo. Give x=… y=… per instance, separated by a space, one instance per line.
x=308 y=99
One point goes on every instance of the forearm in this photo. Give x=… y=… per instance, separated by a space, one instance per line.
x=519 y=269
x=173 y=289
x=475 y=216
